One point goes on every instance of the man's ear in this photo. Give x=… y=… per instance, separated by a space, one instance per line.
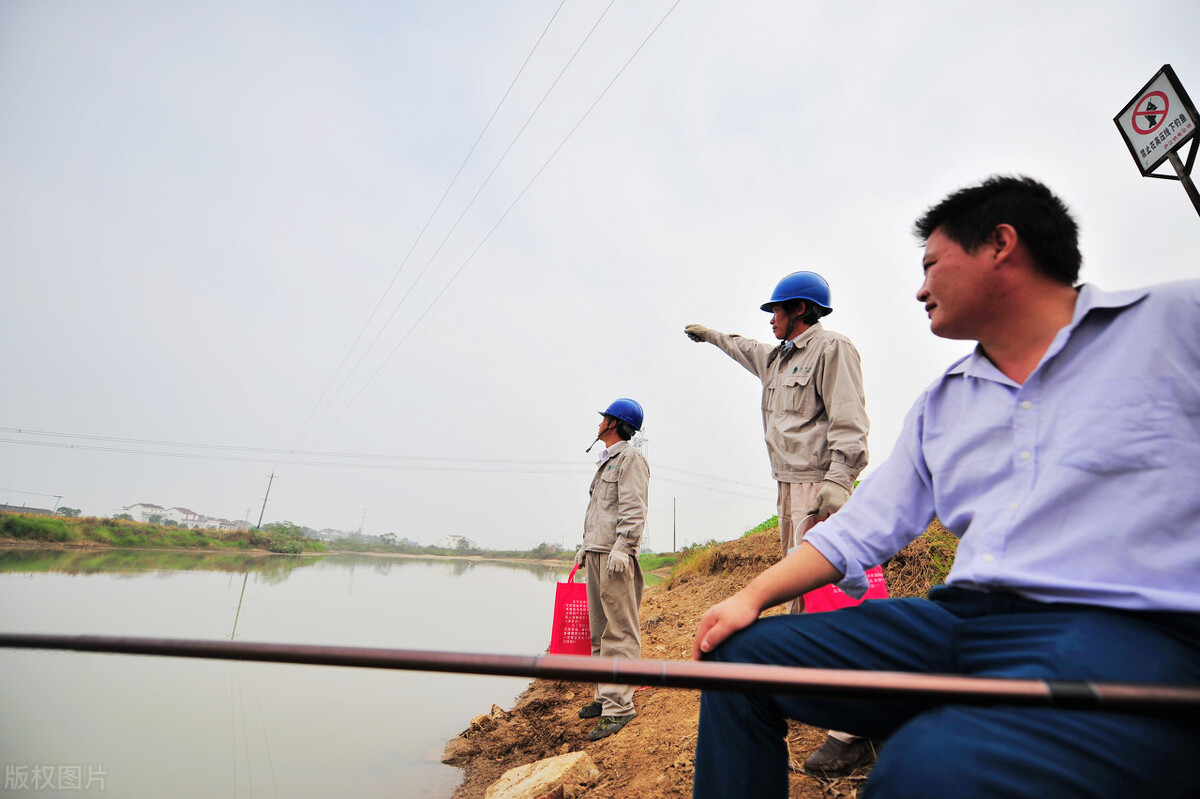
x=1003 y=241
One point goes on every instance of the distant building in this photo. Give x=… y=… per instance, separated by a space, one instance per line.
x=142 y=511
x=455 y=542
x=25 y=509
x=184 y=517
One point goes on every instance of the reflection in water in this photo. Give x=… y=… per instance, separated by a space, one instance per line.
x=136 y=561
x=269 y=568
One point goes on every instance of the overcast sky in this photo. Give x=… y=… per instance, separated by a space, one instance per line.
x=225 y=247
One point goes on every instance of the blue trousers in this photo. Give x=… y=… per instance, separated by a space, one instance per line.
x=961 y=751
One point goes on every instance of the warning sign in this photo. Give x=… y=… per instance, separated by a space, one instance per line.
x=1150 y=111
x=1161 y=118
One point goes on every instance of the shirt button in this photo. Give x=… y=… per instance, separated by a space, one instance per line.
x=989 y=557
x=1013 y=506
x=1026 y=405
x=1026 y=455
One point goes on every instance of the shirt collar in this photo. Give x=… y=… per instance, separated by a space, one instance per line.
x=1090 y=298
x=608 y=452
x=802 y=339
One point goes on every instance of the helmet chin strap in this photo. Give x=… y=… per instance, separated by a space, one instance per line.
x=603 y=430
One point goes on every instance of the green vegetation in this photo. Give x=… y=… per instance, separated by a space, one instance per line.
x=769 y=524
x=34 y=528
x=282 y=538
x=697 y=558
x=651 y=561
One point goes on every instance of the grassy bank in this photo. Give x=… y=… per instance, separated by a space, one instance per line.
x=92 y=531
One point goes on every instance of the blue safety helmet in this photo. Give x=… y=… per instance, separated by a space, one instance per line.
x=802 y=286
x=627 y=410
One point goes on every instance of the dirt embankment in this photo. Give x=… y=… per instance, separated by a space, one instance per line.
x=653 y=756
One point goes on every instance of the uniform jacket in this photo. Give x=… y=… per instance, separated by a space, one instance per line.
x=616 y=513
x=813 y=408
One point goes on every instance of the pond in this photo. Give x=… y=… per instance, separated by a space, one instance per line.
x=134 y=726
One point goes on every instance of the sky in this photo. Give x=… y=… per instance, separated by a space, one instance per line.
x=389 y=259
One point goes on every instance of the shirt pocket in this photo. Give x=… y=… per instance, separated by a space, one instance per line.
x=608 y=483
x=791 y=393
x=1120 y=426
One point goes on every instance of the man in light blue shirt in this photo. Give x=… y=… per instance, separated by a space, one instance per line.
x=1065 y=454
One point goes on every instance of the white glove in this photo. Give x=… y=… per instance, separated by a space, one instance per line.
x=618 y=562
x=697 y=332
x=829 y=501
x=580 y=556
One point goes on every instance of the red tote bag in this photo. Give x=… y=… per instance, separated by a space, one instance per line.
x=571 y=632
x=830 y=597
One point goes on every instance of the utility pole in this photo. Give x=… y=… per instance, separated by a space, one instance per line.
x=673 y=525
x=264 y=507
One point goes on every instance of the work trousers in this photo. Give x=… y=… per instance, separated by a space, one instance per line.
x=613 y=602
x=794 y=501
x=964 y=751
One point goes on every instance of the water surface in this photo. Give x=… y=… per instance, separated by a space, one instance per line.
x=135 y=726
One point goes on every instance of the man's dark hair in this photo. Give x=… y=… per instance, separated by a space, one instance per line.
x=625 y=430
x=812 y=311
x=968 y=216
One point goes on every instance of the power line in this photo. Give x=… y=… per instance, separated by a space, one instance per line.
x=429 y=466
x=341 y=459
x=454 y=227
x=29 y=493
x=503 y=216
x=304 y=425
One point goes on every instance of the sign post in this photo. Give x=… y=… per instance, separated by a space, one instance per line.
x=1156 y=124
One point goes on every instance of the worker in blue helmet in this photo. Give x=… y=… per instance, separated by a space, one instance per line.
x=815 y=423
x=612 y=535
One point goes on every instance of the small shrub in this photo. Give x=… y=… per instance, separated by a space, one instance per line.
x=284 y=544
x=35 y=528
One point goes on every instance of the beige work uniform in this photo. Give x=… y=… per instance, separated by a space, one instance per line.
x=814 y=418
x=616 y=516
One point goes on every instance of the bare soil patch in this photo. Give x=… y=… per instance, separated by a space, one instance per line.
x=654 y=755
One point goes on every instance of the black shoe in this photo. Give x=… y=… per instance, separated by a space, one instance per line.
x=836 y=758
x=590 y=711
x=608 y=725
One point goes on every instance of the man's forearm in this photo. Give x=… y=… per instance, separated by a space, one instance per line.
x=803 y=570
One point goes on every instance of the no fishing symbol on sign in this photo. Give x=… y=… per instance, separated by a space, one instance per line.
x=1156 y=124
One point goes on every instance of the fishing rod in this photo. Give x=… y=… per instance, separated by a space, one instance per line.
x=1176 y=701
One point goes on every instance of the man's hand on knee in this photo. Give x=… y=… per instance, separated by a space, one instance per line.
x=722 y=620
